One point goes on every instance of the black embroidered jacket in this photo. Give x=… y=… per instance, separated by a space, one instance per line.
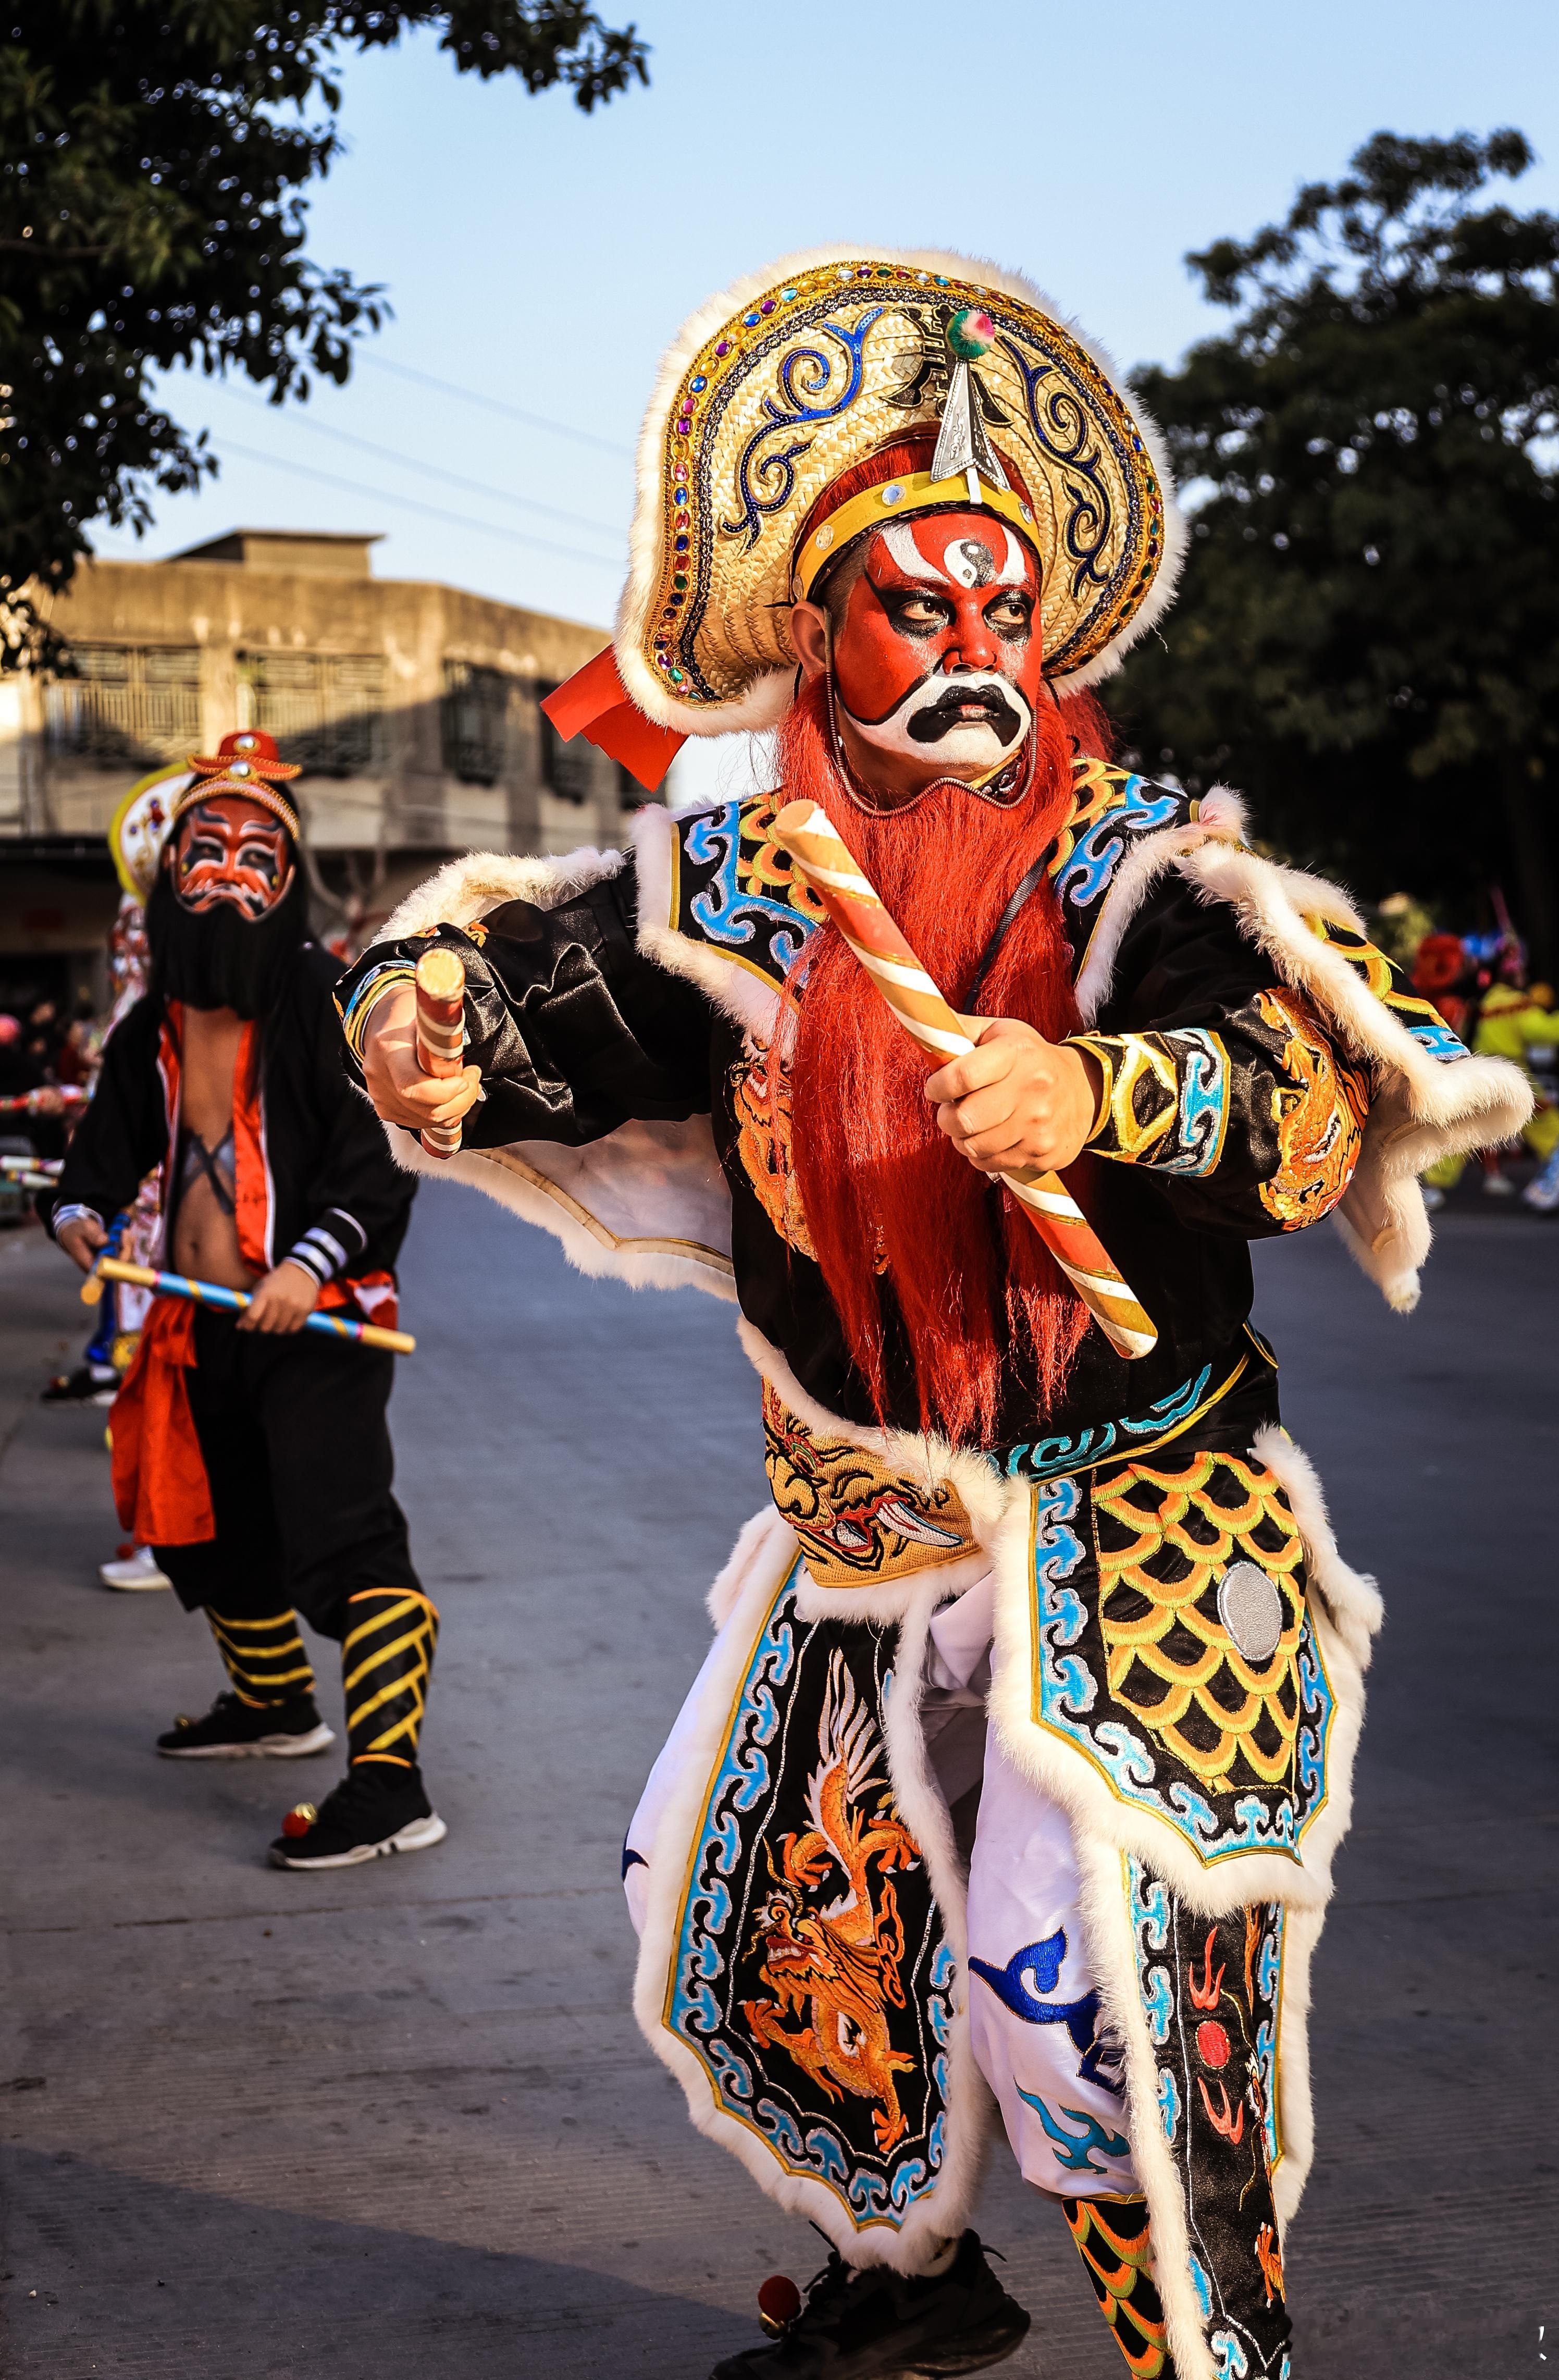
x=313 y=1177
x=1229 y=1109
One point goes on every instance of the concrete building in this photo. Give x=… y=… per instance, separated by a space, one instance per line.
x=414 y=708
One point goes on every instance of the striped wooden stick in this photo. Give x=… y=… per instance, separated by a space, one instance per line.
x=440 y=1034
x=825 y=860
x=233 y=1301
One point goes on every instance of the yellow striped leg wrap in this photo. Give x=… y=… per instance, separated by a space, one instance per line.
x=264 y=1658
x=386 y=1659
x=1112 y=2240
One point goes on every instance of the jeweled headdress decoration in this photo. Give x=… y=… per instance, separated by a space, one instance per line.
x=246 y=763
x=801 y=373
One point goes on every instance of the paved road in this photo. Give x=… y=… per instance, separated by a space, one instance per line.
x=396 y=2124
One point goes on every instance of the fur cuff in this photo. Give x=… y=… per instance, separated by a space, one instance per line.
x=468 y=887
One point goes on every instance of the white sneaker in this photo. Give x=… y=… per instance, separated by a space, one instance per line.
x=1434 y=1198
x=137 y=1571
x=1498 y=1186
x=1541 y=1194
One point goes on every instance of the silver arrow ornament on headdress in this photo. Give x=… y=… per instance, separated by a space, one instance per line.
x=962 y=448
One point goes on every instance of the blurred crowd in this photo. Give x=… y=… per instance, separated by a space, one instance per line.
x=1480 y=985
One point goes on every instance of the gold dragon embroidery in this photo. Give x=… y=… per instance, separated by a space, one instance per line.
x=1320 y=1122
x=835 y=1961
x=857 y=1520
x=760 y=1090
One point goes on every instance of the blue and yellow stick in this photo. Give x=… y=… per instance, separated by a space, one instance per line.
x=233 y=1301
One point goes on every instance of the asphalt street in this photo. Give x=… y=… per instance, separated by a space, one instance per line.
x=396 y=2123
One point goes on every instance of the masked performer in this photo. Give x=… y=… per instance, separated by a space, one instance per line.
x=254 y=1461
x=1021 y=1752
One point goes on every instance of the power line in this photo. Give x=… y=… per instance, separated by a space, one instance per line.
x=432 y=470
x=411 y=505
x=496 y=405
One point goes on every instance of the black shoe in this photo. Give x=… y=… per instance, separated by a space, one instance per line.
x=369 y=1815
x=237 y=1731
x=879 y=2325
x=89 y=1384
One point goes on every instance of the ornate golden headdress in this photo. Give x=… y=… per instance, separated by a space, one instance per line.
x=805 y=371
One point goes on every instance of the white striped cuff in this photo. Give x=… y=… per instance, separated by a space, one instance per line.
x=319 y=1254
x=74 y=1213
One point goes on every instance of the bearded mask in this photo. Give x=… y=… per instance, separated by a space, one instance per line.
x=228 y=908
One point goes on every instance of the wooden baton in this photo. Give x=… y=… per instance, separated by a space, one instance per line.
x=440 y=1034
x=825 y=860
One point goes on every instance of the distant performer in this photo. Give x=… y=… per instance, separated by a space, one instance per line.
x=1023 y=1748
x=253 y=1459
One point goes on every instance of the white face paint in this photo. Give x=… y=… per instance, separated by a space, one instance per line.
x=966 y=562
x=934 y=661
x=971 y=723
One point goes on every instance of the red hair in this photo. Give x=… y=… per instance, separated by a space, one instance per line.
x=887 y=1196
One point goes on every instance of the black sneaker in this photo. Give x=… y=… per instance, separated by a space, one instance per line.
x=877 y=2324
x=368 y=1816
x=237 y=1731
x=89 y=1384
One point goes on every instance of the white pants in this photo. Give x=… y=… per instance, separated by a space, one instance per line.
x=1033 y=1995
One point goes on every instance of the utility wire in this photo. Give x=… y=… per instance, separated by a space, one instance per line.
x=496 y=405
x=432 y=470
x=411 y=504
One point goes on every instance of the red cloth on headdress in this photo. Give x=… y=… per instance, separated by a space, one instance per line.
x=160 y=1490
x=596 y=704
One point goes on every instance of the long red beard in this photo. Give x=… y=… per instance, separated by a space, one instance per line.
x=880 y=1185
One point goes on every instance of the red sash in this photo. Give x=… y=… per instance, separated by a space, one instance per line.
x=160 y=1486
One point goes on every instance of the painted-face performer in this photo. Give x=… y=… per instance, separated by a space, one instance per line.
x=252 y=1459
x=1021 y=1754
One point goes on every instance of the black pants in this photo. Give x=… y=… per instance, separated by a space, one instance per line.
x=297 y=1452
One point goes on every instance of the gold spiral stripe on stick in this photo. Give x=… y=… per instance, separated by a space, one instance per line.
x=823 y=857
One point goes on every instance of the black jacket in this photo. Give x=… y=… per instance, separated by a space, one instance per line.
x=324 y=1184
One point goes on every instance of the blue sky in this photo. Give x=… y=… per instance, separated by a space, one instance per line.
x=542 y=258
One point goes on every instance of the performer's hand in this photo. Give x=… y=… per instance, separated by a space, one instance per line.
x=1015 y=1100
x=82 y=1239
x=282 y=1302
x=394 y=1081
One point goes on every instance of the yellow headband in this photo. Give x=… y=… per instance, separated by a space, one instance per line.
x=916 y=491
x=250 y=789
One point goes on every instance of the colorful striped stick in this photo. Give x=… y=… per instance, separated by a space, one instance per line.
x=440 y=1034
x=233 y=1301
x=825 y=860
x=30 y=1102
x=49 y=1165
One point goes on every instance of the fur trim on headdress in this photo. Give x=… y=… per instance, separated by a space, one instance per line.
x=766 y=698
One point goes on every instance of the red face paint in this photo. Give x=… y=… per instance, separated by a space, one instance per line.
x=230 y=849
x=939 y=654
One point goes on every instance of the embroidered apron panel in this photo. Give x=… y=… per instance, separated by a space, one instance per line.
x=1173 y=1648
x=810 y=1975
x=858 y=1520
x=1211 y=1993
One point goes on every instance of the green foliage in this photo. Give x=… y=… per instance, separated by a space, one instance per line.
x=154 y=157
x=1367 y=637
